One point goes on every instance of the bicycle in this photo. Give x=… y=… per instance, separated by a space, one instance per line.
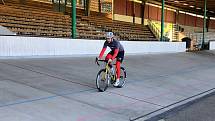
x=107 y=76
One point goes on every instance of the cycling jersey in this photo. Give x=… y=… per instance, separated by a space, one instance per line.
x=113 y=45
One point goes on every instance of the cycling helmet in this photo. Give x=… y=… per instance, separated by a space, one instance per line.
x=109 y=35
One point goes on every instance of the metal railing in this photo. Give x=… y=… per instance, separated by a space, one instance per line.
x=154 y=29
x=175 y=32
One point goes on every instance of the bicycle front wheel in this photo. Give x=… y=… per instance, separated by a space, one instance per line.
x=102 y=80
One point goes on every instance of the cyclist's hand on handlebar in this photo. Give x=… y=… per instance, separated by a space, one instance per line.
x=98 y=58
x=96 y=61
x=110 y=61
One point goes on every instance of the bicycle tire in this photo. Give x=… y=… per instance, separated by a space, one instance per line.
x=98 y=80
x=123 y=77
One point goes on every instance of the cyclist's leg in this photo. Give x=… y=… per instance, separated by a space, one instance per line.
x=119 y=60
x=118 y=69
x=109 y=56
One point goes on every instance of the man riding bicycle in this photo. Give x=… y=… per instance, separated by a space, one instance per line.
x=117 y=51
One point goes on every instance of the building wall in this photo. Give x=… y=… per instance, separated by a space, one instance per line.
x=189 y=20
x=125 y=7
x=129 y=8
x=154 y=13
x=199 y=22
x=94 y=5
x=212 y=24
x=138 y=10
x=119 y=7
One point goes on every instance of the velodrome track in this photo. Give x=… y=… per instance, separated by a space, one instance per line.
x=63 y=89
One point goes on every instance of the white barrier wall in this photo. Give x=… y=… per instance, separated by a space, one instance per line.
x=212 y=45
x=36 y=46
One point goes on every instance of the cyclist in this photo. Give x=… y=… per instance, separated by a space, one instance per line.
x=117 y=51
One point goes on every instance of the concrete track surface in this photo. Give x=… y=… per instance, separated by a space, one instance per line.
x=63 y=89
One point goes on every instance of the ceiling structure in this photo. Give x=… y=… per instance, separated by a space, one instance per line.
x=193 y=6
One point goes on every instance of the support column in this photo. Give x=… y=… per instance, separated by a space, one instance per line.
x=148 y=13
x=126 y=8
x=177 y=17
x=162 y=21
x=133 y=11
x=113 y=18
x=204 y=26
x=87 y=12
x=73 y=18
x=85 y=7
x=99 y=5
x=59 y=5
x=65 y=6
x=143 y=11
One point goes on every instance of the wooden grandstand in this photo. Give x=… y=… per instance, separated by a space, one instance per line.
x=38 y=19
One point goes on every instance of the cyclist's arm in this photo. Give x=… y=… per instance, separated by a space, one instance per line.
x=116 y=51
x=102 y=52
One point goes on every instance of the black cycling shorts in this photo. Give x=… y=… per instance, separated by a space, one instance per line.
x=120 y=56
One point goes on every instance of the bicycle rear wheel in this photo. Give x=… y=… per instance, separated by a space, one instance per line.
x=102 y=80
x=123 y=76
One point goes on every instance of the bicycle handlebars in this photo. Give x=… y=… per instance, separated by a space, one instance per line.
x=97 y=61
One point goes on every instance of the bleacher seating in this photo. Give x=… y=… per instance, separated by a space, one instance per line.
x=29 y=19
x=125 y=30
